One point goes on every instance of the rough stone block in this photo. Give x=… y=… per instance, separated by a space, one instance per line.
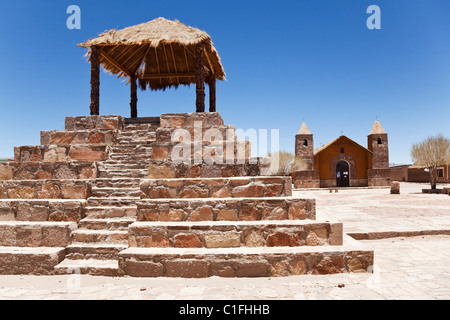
x=187 y=268
x=395 y=187
x=222 y=240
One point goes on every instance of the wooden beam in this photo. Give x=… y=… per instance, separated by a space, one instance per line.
x=115 y=63
x=211 y=68
x=168 y=75
x=200 y=78
x=133 y=96
x=212 y=94
x=143 y=59
x=185 y=57
x=157 y=63
x=174 y=62
x=95 y=81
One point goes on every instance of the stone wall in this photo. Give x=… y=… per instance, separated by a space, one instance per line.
x=94 y=123
x=207 y=119
x=209 y=235
x=42 y=210
x=253 y=263
x=165 y=169
x=217 y=188
x=36 y=234
x=48 y=170
x=251 y=209
x=60 y=153
x=306 y=179
x=378 y=177
x=45 y=189
x=93 y=137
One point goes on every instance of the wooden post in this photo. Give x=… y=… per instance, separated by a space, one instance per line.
x=200 y=77
x=212 y=94
x=134 y=99
x=95 y=81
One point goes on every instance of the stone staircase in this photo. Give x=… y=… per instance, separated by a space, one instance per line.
x=106 y=197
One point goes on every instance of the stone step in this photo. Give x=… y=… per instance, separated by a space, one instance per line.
x=216 y=187
x=30 y=261
x=132 y=157
x=127 y=148
x=144 y=127
x=90 y=266
x=130 y=173
x=107 y=224
x=243 y=262
x=115 y=192
x=123 y=166
x=225 y=234
x=117 y=183
x=98 y=251
x=104 y=236
x=36 y=234
x=226 y=209
x=117 y=201
x=107 y=212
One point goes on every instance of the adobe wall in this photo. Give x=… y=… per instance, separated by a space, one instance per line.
x=324 y=159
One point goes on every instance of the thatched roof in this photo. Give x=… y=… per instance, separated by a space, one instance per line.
x=161 y=53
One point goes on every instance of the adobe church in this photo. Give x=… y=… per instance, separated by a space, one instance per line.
x=341 y=162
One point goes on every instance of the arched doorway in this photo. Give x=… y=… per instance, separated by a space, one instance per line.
x=342 y=174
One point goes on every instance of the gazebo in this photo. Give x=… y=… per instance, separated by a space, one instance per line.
x=158 y=54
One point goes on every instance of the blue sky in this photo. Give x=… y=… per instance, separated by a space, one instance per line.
x=286 y=61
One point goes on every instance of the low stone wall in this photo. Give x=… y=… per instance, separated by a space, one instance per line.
x=50 y=153
x=378 y=177
x=36 y=261
x=204 y=151
x=42 y=210
x=94 y=137
x=185 y=235
x=172 y=134
x=45 y=189
x=48 y=170
x=217 y=187
x=36 y=234
x=94 y=123
x=171 y=120
x=228 y=209
x=165 y=169
x=306 y=179
x=146 y=262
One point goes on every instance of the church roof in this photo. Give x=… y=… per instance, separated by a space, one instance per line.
x=377 y=128
x=304 y=129
x=344 y=138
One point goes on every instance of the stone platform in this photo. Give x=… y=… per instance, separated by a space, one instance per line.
x=106 y=196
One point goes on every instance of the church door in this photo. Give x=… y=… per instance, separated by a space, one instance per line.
x=342 y=174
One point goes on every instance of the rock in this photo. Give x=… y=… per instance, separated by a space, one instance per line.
x=187 y=240
x=223 y=240
x=395 y=187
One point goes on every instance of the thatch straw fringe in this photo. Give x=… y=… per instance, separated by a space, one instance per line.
x=161 y=53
